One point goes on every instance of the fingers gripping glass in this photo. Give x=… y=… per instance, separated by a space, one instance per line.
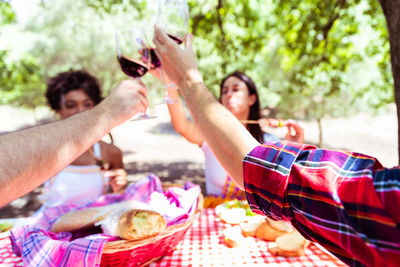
x=133 y=56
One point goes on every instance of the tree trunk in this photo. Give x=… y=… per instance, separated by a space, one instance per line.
x=391 y=9
x=319 y=120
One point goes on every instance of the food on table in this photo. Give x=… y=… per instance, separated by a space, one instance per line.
x=84 y=218
x=213 y=201
x=266 y=232
x=250 y=226
x=134 y=224
x=284 y=239
x=131 y=220
x=270 y=230
x=283 y=226
x=233 y=237
x=5 y=226
x=233 y=216
x=289 y=245
x=234 y=211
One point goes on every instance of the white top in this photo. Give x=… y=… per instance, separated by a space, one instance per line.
x=214 y=173
x=75 y=184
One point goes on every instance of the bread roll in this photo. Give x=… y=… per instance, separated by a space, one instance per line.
x=283 y=226
x=87 y=217
x=289 y=245
x=291 y=241
x=137 y=224
x=250 y=227
x=233 y=237
x=232 y=216
x=266 y=232
x=276 y=251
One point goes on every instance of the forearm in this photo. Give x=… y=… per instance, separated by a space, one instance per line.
x=227 y=137
x=176 y=112
x=180 y=123
x=229 y=140
x=29 y=157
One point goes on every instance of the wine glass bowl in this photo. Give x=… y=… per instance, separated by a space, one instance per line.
x=133 y=55
x=132 y=52
x=173 y=16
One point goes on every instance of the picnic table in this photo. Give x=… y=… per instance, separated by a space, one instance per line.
x=203 y=245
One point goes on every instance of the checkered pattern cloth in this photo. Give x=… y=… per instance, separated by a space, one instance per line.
x=203 y=245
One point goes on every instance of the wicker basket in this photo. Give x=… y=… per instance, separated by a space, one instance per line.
x=145 y=251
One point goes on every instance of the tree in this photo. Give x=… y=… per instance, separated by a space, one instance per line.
x=20 y=81
x=51 y=40
x=300 y=53
x=309 y=58
x=391 y=9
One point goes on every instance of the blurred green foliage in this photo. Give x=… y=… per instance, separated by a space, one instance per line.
x=309 y=58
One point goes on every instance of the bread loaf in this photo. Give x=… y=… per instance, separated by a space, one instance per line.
x=134 y=224
x=87 y=217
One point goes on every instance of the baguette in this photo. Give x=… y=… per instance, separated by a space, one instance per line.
x=88 y=217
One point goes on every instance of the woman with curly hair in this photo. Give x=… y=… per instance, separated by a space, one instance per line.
x=99 y=169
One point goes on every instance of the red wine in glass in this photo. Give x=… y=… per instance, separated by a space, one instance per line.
x=131 y=67
x=155 y=62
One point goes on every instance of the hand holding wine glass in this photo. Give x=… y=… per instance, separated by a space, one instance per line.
x=133 y=55
x=179 y=63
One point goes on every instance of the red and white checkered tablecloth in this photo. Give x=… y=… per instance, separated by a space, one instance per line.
x=203 y=245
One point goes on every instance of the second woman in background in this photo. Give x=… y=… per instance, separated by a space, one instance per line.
x=239 y=95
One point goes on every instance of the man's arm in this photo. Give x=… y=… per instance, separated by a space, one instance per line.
x=29 y=157
x=227 y=137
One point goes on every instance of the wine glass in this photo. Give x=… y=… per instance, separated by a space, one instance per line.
x=173 y=16
x=133 y=56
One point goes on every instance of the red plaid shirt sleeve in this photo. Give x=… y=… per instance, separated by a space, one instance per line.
x=345 y=201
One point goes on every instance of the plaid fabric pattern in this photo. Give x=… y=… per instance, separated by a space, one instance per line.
x=347 y=202
x=203 y=245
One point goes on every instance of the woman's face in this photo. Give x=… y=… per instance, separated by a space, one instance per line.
x=235 y=97
x=73 y=102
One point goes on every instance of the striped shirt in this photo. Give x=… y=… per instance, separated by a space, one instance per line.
x=347 y=202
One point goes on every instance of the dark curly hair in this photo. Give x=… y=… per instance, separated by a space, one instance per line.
x=65 y=82
x=255 y=109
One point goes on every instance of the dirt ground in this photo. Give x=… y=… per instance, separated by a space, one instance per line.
x=152 y=146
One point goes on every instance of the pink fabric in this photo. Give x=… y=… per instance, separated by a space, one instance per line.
x=39 y=247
